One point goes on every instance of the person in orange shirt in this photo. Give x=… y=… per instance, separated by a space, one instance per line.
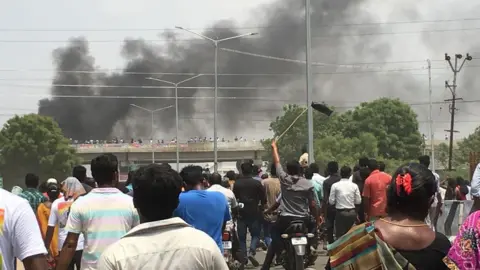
x=375 y=192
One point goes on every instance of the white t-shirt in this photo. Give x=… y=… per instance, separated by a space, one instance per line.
x=20 y=235
x=232 y=201
x=59 y=215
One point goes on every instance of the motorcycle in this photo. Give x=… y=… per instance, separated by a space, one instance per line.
x=296 y=241
x=231 y=250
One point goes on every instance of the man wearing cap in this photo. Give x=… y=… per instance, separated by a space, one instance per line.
x=52 y=181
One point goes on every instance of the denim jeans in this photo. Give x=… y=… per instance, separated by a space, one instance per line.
x=253 y=226
x=267 y=232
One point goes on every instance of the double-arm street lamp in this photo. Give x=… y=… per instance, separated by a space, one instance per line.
x=152 y=112
x=176 y=109
x=215 y=43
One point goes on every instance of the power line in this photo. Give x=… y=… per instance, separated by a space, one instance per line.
x=224 y=74
x=315 y=37
x=289 y=101
x=233 y=27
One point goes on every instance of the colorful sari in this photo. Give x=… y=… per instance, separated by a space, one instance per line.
x=361 y=248
x=465 y=253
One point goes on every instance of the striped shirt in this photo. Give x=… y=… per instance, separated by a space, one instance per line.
x=34 y=197
x=103 y=216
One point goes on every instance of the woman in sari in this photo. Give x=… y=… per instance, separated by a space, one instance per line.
x=71 y=189
x=465 y=253
x=402 y=240
x=43 y=213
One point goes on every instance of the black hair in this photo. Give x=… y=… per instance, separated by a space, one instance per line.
x=255 y=169
x=264 y=176
x=43 y=187
x=129 y=178
x=314 y=167
x=225 y=184
x=31 y=180
x=192 y=175
x=104 y=169
x=424 y=160
x=294 y=168
x=273 y=170
x=381 y=166
x=53 y=192
x=450 y=189
x=308 y=173
x=363 y=162
x=460 y=181
x=156 y=191
x=246 y=168
x=451 y=182
x=373 y=164
x=166 y=165
x=332 y=167
x=80 y=173
x=462 y=185
x=230 y=175
x=418 y=202
x=356 y=168
x=345 y=172
x=215 y=179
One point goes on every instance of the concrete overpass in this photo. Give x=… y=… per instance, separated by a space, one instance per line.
x=189 y=152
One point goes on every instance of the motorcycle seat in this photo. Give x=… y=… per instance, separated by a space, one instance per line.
x=296 y=226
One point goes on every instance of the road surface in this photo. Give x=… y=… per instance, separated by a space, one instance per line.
x=319 y=265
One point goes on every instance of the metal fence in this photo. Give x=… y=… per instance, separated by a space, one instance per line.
x=454 y=214
x=168 y=147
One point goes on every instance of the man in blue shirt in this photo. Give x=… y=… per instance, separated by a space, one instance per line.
x=205 y=210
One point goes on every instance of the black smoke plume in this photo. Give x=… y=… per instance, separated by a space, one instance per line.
x=282 y=34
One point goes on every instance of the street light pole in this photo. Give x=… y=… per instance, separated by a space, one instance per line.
x=215 y=43
x=151 y=130
x=308 y=55
x=176 y=111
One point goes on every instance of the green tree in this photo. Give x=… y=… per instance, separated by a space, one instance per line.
x=34 y=144
x=441 y=155
x=291 y=143
x=346 y=151
x=467 y=145
x=393 y=123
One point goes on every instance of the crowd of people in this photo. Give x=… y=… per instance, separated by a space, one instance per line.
x=164 y=219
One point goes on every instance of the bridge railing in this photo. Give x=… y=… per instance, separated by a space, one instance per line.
x=167 y=147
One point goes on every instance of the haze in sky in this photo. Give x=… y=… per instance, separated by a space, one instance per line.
x=391 y=39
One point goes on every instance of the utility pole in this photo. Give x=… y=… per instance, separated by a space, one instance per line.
x=430 y=118
x=453 y=90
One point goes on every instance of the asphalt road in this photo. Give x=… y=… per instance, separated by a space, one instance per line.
x=319 y=263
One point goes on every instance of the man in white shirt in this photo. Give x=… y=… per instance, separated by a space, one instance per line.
x=20 y=235
x=345 y=196
x=215 y=182
x=161 y=241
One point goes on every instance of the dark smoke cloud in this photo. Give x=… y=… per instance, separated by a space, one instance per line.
x=93 y=118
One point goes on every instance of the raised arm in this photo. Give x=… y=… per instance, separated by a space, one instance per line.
x=282 y=175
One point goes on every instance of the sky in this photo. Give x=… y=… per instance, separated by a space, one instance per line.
x=31 y=30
